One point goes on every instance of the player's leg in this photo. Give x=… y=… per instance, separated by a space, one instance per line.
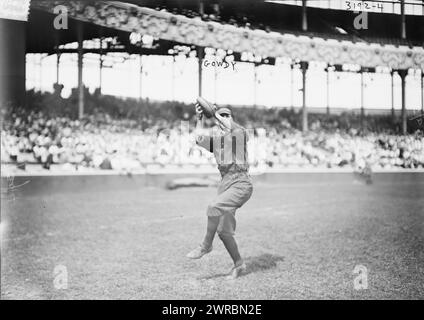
x=235 y=197
x=226 y=202
x=211 y=228
x=212 y=225
x=226 y=230
x=214 y=212
x=206 y=246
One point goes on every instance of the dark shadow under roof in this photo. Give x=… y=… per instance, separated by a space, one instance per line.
x=383 y=28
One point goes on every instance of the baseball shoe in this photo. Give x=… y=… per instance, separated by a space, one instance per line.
x=198 y=252
x=237 y=271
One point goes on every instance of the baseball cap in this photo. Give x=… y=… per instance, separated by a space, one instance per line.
x=222 y=111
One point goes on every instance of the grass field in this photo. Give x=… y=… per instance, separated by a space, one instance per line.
x=301 y=235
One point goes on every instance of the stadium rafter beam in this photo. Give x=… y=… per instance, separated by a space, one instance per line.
x=164 y=25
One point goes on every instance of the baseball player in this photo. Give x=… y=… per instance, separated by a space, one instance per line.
x=234 y=189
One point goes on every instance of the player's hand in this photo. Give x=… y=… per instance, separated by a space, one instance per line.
x=199 y=111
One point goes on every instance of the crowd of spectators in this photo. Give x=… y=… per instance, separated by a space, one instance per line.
x=163 y=135
x=213 y=12
x=232 y=15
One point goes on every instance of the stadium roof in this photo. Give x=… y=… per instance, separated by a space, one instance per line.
x=40 y=23
x=412 y=7
x=285 y=18
x=324 y=23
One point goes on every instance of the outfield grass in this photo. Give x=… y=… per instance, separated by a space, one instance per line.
x=301 y=235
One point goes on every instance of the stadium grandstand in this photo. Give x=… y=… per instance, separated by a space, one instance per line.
x=332 y=76
x=106 y=188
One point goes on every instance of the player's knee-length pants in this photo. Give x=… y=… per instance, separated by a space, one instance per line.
x=233 y=191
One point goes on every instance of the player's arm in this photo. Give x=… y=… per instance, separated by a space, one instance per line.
x=202 y=139
x=230 y=124
x=226 y=122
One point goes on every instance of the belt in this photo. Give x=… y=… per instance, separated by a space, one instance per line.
x=235 y=175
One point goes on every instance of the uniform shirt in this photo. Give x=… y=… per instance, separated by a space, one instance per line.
x=229 y=149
